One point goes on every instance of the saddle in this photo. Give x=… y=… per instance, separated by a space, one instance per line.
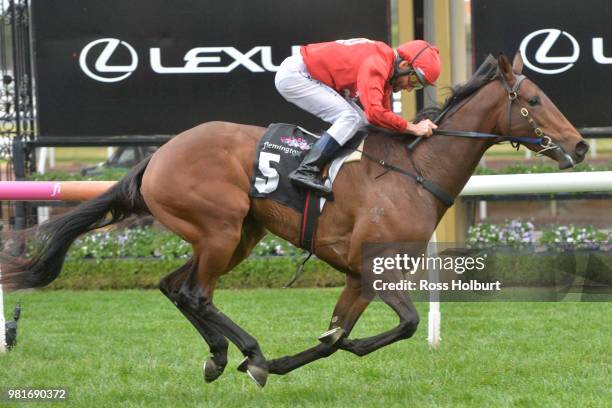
x=280 y=151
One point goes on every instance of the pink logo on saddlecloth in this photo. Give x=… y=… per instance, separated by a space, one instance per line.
x=298 y=142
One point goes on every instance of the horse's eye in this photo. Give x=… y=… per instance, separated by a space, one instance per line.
x=534 y=101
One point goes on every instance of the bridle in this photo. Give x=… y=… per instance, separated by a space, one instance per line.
x=540 y=138
x=513 y=96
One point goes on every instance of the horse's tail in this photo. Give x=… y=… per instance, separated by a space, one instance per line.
x=53 y=238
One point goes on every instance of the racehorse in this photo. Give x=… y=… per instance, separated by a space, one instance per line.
x=197 y=185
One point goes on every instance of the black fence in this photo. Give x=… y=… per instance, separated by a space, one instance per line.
x=17 y=124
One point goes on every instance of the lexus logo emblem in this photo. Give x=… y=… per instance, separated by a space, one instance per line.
x=102 y=71
x=542 y=57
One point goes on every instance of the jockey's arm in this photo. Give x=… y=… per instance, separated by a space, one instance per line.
x=423 y=128
x=373 y=92
x=375 y=96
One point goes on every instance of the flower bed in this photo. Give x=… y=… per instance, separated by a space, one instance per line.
x=147 y=242
x=522 y=234
x=570 y=237
x=139 y=257
x=514 y=233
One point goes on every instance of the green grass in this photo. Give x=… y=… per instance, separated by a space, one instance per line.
x=133 y=348
x=85 y=155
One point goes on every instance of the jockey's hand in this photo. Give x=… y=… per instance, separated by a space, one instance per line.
x=423 y=128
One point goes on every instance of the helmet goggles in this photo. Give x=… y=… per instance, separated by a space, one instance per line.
x=416 y=79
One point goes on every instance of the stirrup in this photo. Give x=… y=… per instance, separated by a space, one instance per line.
x=322 y=190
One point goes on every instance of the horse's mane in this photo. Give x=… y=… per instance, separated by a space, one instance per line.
x=459 y=93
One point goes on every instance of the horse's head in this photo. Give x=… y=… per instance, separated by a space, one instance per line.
x=529 y=112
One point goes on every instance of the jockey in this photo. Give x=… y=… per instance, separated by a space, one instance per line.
x=327 y=79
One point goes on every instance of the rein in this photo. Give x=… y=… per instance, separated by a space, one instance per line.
x=479 y=135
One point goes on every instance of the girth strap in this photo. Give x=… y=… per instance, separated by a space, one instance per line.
x=309 y=223
x=433 y=188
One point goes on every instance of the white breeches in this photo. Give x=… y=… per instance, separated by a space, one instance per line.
x=295 y=84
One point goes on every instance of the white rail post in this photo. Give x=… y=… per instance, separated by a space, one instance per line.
x=43 y=212
x=2 y=322
x=435 y=316
x=52 y=158
x=482 y=213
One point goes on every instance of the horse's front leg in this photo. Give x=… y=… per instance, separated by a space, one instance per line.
x=348 y=309
x=401 y=304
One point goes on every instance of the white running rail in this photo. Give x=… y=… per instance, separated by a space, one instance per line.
x=537 y=183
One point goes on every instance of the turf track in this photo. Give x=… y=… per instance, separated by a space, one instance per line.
x=133 y=348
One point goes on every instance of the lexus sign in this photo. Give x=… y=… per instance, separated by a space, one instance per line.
x=103 y=71
x=199 y=60
x=567 y=50
x=542 y=57
x=153 y=67
x=543 y=60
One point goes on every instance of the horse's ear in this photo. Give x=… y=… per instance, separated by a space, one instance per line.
x=505 y=67
x=517 y=63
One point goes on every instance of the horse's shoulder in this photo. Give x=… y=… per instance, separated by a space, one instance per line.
x=383 y=141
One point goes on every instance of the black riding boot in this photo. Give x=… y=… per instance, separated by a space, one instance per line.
x=308 y=173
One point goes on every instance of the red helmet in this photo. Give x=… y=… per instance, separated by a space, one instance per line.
x=424 y=58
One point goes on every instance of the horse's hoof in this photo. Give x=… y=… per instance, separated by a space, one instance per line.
x=244 y=364
x=332 y=336
x=211 y=370
x=258 y=375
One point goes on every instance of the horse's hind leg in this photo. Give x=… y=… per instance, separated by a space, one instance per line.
x=348 y=309
x=215 y=255
x=197 y=292
x=252 y=232
x=170 y=285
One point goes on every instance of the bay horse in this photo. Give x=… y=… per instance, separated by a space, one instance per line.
x=197 y=185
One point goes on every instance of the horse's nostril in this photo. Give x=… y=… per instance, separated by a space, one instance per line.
x=582 y=148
